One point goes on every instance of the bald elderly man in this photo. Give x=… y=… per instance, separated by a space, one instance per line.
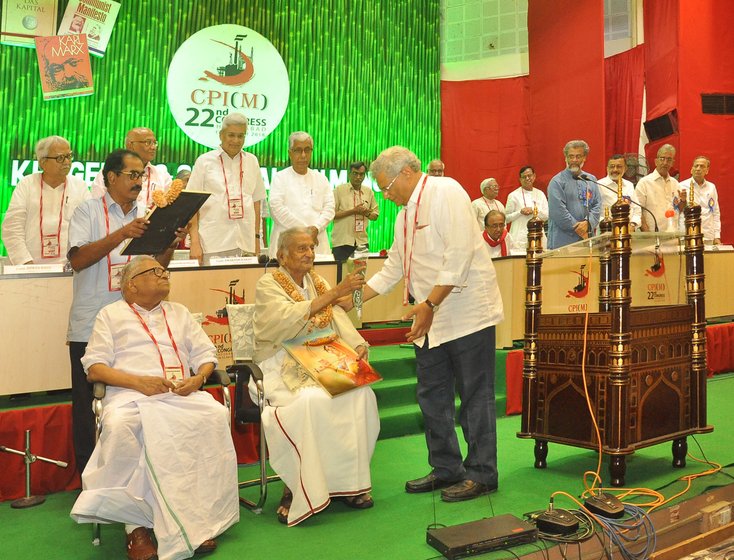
x=161 y=436
x=143 y=142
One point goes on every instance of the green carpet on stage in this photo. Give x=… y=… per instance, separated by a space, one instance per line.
x=395 y=527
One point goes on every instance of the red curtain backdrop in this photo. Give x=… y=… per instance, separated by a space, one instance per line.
x=661 y=68
x=706 y=65
x=484 y=131
x=566 y=48
x=660 y=20
x=625 y=86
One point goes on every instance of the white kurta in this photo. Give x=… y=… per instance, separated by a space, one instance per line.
x=483 y=206
x=219 y=229
x=21 y=230
x=444 y=248
x=300 y=201
x=708 y=199
x=320 y=446
x=658 y=195
x=518 y=222
x=609 y=197
x=157 y=457
x=156 y=178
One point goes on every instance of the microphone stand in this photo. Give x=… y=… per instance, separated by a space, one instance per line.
x=656 y=265
x=654 y=219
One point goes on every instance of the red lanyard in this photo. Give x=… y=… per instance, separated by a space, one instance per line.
x=157 y=347
x=226 y=185
x=496 y=206
x=147 y=193
x=61 y=215
x=109 y=260
x=354 y=197
x=408 y=259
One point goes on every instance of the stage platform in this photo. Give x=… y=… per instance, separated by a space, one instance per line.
x=396 y=527
x=49 y=417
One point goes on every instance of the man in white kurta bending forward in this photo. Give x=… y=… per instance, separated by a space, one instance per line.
x=165 y=459
x=320 y=446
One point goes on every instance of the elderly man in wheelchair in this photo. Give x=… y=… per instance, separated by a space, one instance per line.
x=165 y=459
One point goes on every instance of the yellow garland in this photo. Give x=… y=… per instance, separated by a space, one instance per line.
x=323 y=318
x=163 y=199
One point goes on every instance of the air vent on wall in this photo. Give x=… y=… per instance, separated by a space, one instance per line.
x=717 y=103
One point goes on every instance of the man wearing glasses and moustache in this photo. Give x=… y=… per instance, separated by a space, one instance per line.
x=37 y=220
x=97 y=231
x=143 y=142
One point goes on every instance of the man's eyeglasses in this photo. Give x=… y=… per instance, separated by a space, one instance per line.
x=159 y=271
x=388 y=187
x=148 y=143
x=302 y=151
x=134 y=175
x=666 y=159
x=61 y=158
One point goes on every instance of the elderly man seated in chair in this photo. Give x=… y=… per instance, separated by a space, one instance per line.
x=165 y=459
x=320 y=446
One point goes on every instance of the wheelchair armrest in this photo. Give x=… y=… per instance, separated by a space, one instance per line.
x=221 y=377
x=245 y=409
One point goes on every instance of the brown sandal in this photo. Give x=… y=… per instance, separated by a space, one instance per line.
x=360 y=501
x=285 y=504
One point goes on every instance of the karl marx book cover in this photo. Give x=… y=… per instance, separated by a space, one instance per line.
x=95 y=18
x=63 y=63
x=24 y=20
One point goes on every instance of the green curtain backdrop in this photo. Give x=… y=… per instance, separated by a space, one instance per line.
x=364 y=75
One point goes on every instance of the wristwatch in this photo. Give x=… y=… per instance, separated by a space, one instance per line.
x=430 y=304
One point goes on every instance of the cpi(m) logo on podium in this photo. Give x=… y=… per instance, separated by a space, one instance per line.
x=227 y=68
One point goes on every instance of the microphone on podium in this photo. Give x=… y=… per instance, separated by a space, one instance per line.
x=654 y=219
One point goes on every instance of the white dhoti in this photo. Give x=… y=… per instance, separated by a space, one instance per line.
x=321 y=446
x=164 y=462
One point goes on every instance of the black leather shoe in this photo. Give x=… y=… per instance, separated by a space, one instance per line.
x=466 y=490
x=428 y=483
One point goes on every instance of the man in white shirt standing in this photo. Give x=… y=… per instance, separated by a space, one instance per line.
x=520 y=206
x=447 y=269
x=707 y=198
x=301 y=197
x=143 y=142
x=488 y=201
x=36 y=225
x=616 y=168
x=227 y=224
x=660 y=193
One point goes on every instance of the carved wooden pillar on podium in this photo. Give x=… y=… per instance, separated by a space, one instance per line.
x=645 y=367
x=533 y=303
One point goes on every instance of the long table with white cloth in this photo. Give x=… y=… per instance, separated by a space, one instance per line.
x=35 y=307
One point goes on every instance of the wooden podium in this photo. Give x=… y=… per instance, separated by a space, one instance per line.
x=644 y=367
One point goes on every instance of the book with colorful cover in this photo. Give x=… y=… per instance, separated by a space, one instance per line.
x=330 y=362
x=64 y=66
x=24 y=20
x=96 y=18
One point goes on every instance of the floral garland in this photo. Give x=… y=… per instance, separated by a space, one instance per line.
x=163 y=199
x=323 y=318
